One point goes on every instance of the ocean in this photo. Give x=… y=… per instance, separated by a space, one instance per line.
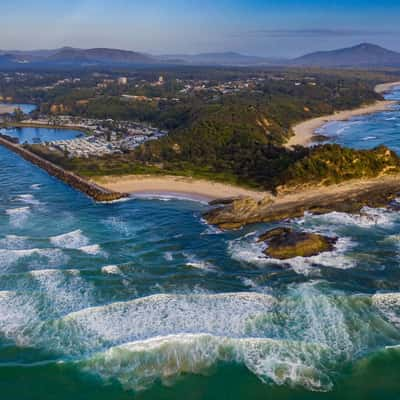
x=140 y=299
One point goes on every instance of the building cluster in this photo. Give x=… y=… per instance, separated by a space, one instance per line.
x=252 y=84
x=84 y=147
x=221 y=87
x=104 y=136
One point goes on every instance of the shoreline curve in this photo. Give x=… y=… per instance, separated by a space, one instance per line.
x=305 y=131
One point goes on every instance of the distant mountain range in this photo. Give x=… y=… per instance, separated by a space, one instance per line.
x=363 y=55
x=228 y=58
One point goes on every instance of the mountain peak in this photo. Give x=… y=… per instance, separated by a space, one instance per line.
x=361 y=55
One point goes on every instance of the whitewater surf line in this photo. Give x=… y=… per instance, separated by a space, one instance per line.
x=91 y=189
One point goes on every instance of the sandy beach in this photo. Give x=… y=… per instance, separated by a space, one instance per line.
x=386 y=87
x=304 y=131
x=175 y=186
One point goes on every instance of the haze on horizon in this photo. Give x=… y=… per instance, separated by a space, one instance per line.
x=271 y=28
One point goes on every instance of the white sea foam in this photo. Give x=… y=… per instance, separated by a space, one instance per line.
x=28 y=199
x=248 y=250
x=367 y=218
x=16 y=312
x=50 y=257
x=210 y=229
x=366 y=138
x=194 y=262
x=233 y=314
x=18 y=216
x=138 y=364
x=171 y=196
x=297 y=339
x=42 y=295
x=71 y=240
x=389 y=305
x=13 y=242
x=36 y=186
x=111 y=270
x=93 y=250
x=65 y=290
x=118 y=224
x=168 y=255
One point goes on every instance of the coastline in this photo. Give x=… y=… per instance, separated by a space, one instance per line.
x=91 y=189
x=305 y=131
x=175 y=186
x=386 y=87
x=348 y=197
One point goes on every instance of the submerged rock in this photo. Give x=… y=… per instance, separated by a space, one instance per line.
x=285 y=243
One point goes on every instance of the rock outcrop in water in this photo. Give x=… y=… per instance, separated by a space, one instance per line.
x=91 y=189
x=285 y=243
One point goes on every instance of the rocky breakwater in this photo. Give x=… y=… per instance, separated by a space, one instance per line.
x=91 y=189
x=286 y=243
x=349 y=197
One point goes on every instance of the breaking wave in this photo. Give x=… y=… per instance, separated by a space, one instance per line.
x=93 y=250
x=28 y=199
x=71 y=240
x=139 y=364
x=194 y=262
x=31 y=257
x=18 y=216
x=367 y=218
x=111 y=270
x=298 y=339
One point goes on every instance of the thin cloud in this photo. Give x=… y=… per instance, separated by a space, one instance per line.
x=282 y=33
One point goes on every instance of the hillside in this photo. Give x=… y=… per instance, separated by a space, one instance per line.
x=100 y=55
x=362 y=55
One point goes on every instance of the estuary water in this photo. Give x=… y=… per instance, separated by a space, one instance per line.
x=140 y=299
x=40 y=135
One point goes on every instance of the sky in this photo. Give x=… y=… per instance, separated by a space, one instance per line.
x=270 y=28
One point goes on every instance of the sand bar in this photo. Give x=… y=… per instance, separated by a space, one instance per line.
x=175 y=186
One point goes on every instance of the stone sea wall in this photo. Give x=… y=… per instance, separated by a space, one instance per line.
x=91 y=189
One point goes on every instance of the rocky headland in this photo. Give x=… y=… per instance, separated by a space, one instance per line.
x=350 y=197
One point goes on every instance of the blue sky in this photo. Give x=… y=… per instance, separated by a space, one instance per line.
x=278 y=28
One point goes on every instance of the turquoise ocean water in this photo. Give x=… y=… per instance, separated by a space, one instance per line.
x=141 y=299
